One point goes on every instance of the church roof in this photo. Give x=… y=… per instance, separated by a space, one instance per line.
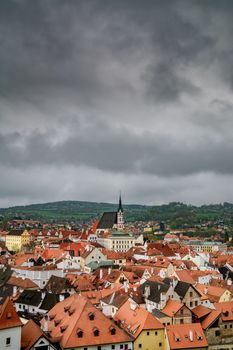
x=108 y=220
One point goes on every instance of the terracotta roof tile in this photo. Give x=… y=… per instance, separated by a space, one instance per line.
x=186 y=336
x=75 y=320
x=8 y=315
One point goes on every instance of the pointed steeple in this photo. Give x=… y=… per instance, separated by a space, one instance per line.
x=120 y=208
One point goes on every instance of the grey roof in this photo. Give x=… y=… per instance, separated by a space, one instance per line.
x=158 y=314
x=57 y=284
x=30 y=297
x=181 y=288
x=16 y=233
x=156 y=288
x=5 y=291
x=108 y=220
x=5 y=274
x=49 y=301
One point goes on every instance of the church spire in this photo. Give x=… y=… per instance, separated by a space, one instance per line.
x=120 y=208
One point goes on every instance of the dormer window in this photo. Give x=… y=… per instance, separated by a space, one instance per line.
x=56 y=322
x=63 y=328
x=113 y=330
x=91 y=316
x=66 y=308
x=79 y=333
x=71 y=311
x=96 y=332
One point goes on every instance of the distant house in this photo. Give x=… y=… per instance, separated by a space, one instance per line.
x=16 y=239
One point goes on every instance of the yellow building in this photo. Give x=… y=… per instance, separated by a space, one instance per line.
x=15 y=240
x=147 y=331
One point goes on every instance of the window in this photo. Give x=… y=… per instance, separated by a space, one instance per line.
x=91 y=316
x=191 y=294
x=113 y=347
x=8 y=341
x=139 y=345
x=121 y=346
x=191 y=303
x=99 y=347
x=217 y=333
x=113 y=331
x=96 y=332
x=160 y=344
x=80 y=334
x=148 y=333
x=230 y=325
x=156 y=333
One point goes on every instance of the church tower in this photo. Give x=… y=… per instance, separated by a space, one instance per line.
x=120 y=216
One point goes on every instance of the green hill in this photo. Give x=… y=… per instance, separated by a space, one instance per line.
x=178 y=215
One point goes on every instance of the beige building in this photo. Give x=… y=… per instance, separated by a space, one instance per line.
x=15 y=240
x=119 y=241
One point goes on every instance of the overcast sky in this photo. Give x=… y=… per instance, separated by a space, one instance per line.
x=109 y=95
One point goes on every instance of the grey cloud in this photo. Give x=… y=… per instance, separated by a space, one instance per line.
x=136 y=93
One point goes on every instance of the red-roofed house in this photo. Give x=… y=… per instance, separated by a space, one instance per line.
x=10 y=327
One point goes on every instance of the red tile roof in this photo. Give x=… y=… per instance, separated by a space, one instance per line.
x=74 y=321
x=8 y=315
x=172 y=307
x=31 y=333
x=135 y=319
x=186 y=336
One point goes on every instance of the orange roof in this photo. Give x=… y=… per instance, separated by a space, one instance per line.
x=134 y=319
x=184 y=276
x=210 y=319
x=21 y=258
x=8 y=316
x=74 y=321
x=201 y=311
x=226 y=308
x=95 y=295
x=212 y=292
x=31 y=332
x=24 y=283
x=186 y=336
x=172 y=307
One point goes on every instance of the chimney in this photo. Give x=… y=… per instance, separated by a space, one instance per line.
x=109 y=270
x=45 y=326
x=205 y=290
x=229 y=282
x=101 y=274
x=191 y=335
x=126 y=286
x=61 y=297
x=147 y=291
x=15 y=289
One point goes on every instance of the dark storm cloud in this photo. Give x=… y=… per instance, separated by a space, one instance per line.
x=127 y=91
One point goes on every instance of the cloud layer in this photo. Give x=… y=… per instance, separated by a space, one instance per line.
x=99 y=96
